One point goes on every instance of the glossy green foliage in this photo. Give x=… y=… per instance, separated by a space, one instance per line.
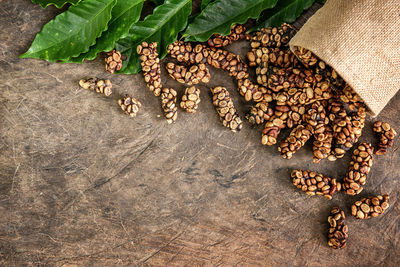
x=162 y=27
x=205 y=3
x=219 y=16
x=57 y=3
x=285 y=11
x=72 y=32
x=124 y=14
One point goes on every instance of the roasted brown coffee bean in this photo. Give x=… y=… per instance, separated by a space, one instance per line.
x=97 y=85
x=338 y=230
x=253 y=92
x=285 y=78
x=316 y=117
x=184 y=52
x=360 y=166
x=304 y=96
x=191 y=99
x=168 y=104
x=346 y=131
x=150 y=66
x=296 y=140
x=306 y=56
x=113 y=61
x=273 y=37
x=371 y=206
x=349 y=96
x=225 y=109
x=193 y=74
x=284 y=116
x=264 y=57
x=322 y=144
x=313 y=183
x=238 y=32
x=222 y=59
x=259 y=113
x=386 y=136
x=130 y=105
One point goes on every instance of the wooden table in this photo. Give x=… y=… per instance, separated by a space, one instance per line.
x=82 y=184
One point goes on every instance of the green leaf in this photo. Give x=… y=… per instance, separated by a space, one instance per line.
x=157 y=2
x=219 y=16
x=285 y=11
x=72 y=32
x=57 y=3
x=205 y=3
x=308 y=4
x=162 y=27
x=124 y=14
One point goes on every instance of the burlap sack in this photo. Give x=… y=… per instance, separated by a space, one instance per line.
x=360 y=39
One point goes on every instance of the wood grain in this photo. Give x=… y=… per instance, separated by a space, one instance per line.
x=82 y=184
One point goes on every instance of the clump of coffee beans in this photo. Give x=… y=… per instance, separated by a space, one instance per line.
x=191 y=99
x=97 y=85
x=129 y=105
x=371 y=206
x=338 y=230
x=386 y=135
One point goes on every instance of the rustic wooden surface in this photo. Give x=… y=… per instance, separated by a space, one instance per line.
x=82 y=184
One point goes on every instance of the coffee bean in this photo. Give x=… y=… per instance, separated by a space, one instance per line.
x=168 y=104
x=358 y=170
x=338 y=231
x=386 y=136
x=370 y=206
x=314 y=183
x=151 y=66
x=190 y=100
x=225 y=108
x=130 y=105
x=97 y=85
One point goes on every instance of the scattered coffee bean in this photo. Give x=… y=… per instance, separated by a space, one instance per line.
x=264 y=57
x=360 y=165
x=238 y=32
x=150 y=66
x=386 y=135
x=253 y=92
x=130 y=105
x=351 y=98
x=113 y=61
x=278 y=79
x=191 y=99
x=225 y=109
x=193 y=74
x=284 y=116
x=184 y=52
x=168 y=104
x=323 y=144
x=346 y=131
x=372 y=206
x=338 y=230
x=97 y=85
x=273 y=37
x=313 y=183
x=259 y=113
x=304 y=96
x=296 y=140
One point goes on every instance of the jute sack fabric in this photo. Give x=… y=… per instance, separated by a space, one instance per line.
x=360 y=39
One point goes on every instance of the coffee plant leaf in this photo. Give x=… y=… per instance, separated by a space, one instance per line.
x=72 y=32
x=284 y=11
x=220 y=15
x=57 y=3
x=124 y=14
x=162 y=27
